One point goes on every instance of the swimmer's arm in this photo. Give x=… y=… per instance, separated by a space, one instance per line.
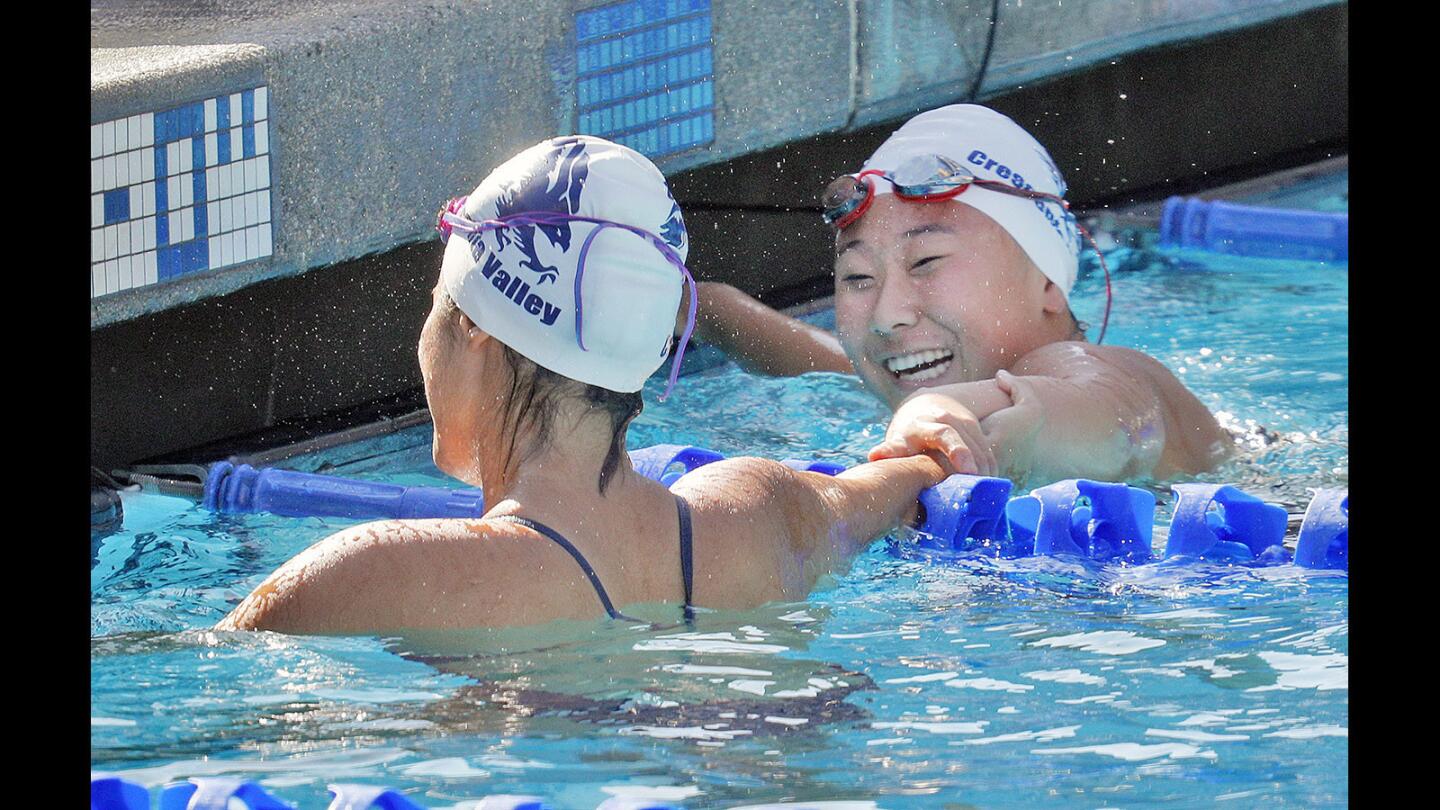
x=824 y=521
x=760 y=339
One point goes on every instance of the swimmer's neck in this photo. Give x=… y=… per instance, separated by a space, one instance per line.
x=567 y=468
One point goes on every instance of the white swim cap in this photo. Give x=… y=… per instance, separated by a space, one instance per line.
x=994 y=147
x=522 y=283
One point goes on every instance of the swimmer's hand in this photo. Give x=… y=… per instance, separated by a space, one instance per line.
x=939 y=426
x=1012 y=430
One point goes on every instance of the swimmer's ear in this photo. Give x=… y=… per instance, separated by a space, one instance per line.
x=475 y=337
x=1052 y=300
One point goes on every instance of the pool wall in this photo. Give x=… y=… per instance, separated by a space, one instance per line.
x=371 y=117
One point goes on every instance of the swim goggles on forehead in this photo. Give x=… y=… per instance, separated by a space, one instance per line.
x=452 y=219
x=930 y=178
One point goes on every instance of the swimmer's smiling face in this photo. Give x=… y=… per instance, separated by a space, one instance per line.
x=928 y=294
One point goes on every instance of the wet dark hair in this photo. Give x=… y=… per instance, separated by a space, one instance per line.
x=536 y=393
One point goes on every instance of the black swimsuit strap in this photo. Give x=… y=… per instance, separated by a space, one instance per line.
x=687 y=557
x=574 y=552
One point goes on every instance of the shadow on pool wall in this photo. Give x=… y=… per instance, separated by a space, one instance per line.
x=289 y=357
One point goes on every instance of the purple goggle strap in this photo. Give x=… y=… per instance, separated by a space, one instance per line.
x=452 y=220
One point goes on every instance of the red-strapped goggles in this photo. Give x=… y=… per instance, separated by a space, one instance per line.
x=923 y=178
x=929 y=178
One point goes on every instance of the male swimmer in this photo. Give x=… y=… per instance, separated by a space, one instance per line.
x=560 y=283
x=954 y=260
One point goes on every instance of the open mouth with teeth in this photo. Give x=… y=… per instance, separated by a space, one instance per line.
x=919 y=366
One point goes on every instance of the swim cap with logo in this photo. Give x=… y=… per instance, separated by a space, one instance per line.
x=528 y=283
x=993 y=147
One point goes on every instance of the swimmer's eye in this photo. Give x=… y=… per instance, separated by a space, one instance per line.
x=857 y=281
x=925 y=265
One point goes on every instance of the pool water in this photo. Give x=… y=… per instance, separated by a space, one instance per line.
x=984 y=683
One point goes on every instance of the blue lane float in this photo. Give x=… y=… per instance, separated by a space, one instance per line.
x=965 y=514
x=1239 y=527
x=1325 y=532
x=1255 y=231
x=223 y=793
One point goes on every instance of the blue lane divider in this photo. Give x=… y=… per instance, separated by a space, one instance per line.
x=368 y=797
x=215 y=793
x=1325 y=532
x=963 y=514
x=1241 y=527
x=1250 y=230
x=1094 y=519
x=114 y=793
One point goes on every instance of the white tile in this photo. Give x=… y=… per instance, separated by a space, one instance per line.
x=172 y=192
x=147 y=164
x=235 y=108
x=262 y=103
x=263 y=204
x=122 y=136
x=107 y=138
x=149 y=229
x=112 y=276
x=187 y=224
x=187 y=189
x=97 y=244
x=134 y=140
x=252 y=243
x=251 y=174
x=237 y=144
x=107 y=173
x=214 y=252
x=97 y=210
x=122 y=239
x=172 y=157
x=252 y=209
x=210 y=120
x=212 y=184
x=173 y=226
x=123 y=272
x=147 y=129
x=262 y=136
x=265 y=240
x=212 y=149
x=97 y=279
x=112 y=242
x=242 y=247
x=221 y=189
x=264 y=176
x=137 y=166
x=187 y=154
x=237 y=178
x=149 y=197
x=122 y=170
x=97 y=140
x=227 y=221
x=137 y=235
x=212 y=217
x=152 y=268
x=137 y=201
x=97 y=175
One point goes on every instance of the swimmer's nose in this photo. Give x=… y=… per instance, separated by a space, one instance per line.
x=896 y=307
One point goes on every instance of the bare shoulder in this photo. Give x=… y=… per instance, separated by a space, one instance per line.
x=394 y=575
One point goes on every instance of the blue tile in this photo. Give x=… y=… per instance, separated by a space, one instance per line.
x=167 y=260
x=160 y=163
x=247 y=106
x=194 y=256
x=222 y=112
x=247 y=139
x=162 y=195
x=197 y=155
x=162 y=132
x=117 y=205
x=222 y=139
x=202 y=222
x=197 y=116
